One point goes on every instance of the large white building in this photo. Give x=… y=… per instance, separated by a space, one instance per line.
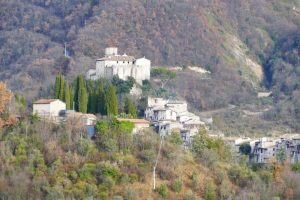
x=123 y=66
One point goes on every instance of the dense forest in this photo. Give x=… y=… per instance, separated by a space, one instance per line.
x=234 y=40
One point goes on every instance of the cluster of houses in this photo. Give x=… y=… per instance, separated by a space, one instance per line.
x=284 y=148
x=169 y=116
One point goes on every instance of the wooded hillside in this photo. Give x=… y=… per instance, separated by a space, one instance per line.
x=233 y=39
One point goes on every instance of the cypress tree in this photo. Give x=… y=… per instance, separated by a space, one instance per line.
x=93 y=103
x=57 y=86
x=62 y=88
x=67 y=97
x=71 y=97
x=101 y=99
x=130 y=108
x=76 y=91
x=111 y=101
x=82 y=95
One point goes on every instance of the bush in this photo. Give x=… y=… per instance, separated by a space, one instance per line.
x=194 y=180
x=189 y=196
x=130 y=194
x=209 y=190
x=147 y=155
x=177 y=186
x=245 y=149
x=163 y=190
x=296 y=167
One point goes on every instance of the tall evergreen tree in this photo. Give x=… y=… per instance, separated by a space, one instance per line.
x=130 y=108
x=76 y=94
x=62 y=88
x=101 y=99
x=71 y=97
x=82 y=95
x=92 y=104
x=57 y=86
x=111 y=101
x=67 y=96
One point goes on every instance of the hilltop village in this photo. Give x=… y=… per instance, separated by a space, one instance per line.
x=117 y=133
x=164 y=116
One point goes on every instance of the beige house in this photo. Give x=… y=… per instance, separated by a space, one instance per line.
x=49 y=109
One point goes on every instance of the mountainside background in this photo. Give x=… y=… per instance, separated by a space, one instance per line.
x=248 y=46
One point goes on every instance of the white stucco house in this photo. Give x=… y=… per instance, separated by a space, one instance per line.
x=49 y=109
x=123 y=66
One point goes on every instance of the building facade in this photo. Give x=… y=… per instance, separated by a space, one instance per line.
x=49 y=109
x=123 y=66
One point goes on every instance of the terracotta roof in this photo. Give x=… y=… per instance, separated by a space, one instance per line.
x=44 y=101
x=117 y=58
x=135 y=121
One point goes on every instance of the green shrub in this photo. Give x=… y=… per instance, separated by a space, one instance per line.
x=296 y=167
x=130 y=194
x=147 y=155
x=106 y=169
x=177 y=186
x=209 y=190
x=194 y=180
x=163 y=190
x=189 y=196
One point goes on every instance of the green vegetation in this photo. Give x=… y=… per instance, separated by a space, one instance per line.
x=130 y=108
x=111 y=101
x=101 y=99
x=59 y=87
x=67 y=97
x=163 y=191
x=82 y=96
x=245 y=149
x=177 y=186
x=115 y=164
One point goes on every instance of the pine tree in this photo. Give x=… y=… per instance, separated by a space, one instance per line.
x=82 y=95
x=57 y=86
x=62 y=88
x=111 y=101
x=130 y=108
x=101 y=99
x=67 y=97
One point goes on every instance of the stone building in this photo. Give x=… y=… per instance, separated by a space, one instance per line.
x=123 y=66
